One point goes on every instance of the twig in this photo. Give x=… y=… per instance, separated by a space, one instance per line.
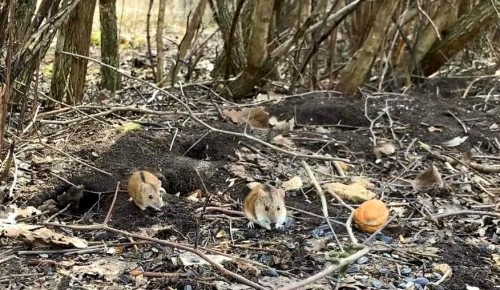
x=324 y=206
x=341 y=264
x=112 y=203
x=218 y=266
x=201 y=122
x=466 y=212
x=458 y=120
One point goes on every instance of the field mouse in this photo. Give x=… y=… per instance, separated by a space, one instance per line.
x=145 y=190
x=264 y=205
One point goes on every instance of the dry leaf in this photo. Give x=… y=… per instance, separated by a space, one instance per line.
x=442 y=268
x=292 y=184
x=239 y=171
x=384 y=149
x=354 y=192
x=455 y=141
x=285 y=142
x=256 y=117
x=37 y=234
x=108 y=268
x=428 y=178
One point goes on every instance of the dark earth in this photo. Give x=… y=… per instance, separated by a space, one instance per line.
x=349 y=137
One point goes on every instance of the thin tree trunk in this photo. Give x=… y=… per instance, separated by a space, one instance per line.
x=466 y=29
x=193 y=26
x=257 y=50
x=111 y=80
x=69 y=72
x=159 y=41
x=358 y=68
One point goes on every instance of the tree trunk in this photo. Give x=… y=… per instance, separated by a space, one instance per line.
x=232 y=60
x=159 y=42
x=69 y=72
x=193 y=26
x=358 y=68
x=257 y=50
x=467 y=28
x=111 y=80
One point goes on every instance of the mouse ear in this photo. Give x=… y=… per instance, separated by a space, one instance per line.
x=281 y=192
x=262 y=193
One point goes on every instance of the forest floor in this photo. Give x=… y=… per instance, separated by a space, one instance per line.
x=430 y=230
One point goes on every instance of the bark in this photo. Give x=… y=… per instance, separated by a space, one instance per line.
x=466 y=29
x=193 y=26
x=235 y=63
x=69 y=72
x=358 y=68
x=257 y=50
x=160 y=55
x=111 y=80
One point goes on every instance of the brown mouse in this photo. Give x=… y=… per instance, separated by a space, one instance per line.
x=264 y=205
x=145 y=190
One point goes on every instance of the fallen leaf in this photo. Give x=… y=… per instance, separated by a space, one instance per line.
x=455 y=141
x=292 y=184
x=188 y=259
x=239 y=171
x=428 y=178
x=108 y=268
x=38 y=234
x=383 y=149
x=256 y=117
x=355 y=192
x=285 y=142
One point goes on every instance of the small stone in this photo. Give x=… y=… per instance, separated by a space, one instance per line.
x=147 y=255
x=377 y=284
x=265 y=259
x=402 y=285
x=271 y=272
x=292 y=245
x=318 y=233
x=421 y=281
x=362 y=260
x=353 y=269
x=384 y=271
x=194 y=260
x=385 y=239
x=405 y=270
x=436 y=276
x=188 y=287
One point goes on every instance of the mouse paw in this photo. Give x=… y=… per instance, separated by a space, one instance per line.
x=250 y=225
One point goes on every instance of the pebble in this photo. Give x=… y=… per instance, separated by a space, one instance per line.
x=147 y=255
x=292 y=245
x=377 y=284
x=384 y=271
x=405 y=270
x=265 y=259
x=385 y=239
x=353 y=269
x=188 y=287
x=421 y=281
x=436 y=276
x=362 y=260
x=318 y=233
x=271 y=272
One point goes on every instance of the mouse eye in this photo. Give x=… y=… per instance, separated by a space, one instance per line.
x=267 y=208
x=278 y=208
x=150 y=196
